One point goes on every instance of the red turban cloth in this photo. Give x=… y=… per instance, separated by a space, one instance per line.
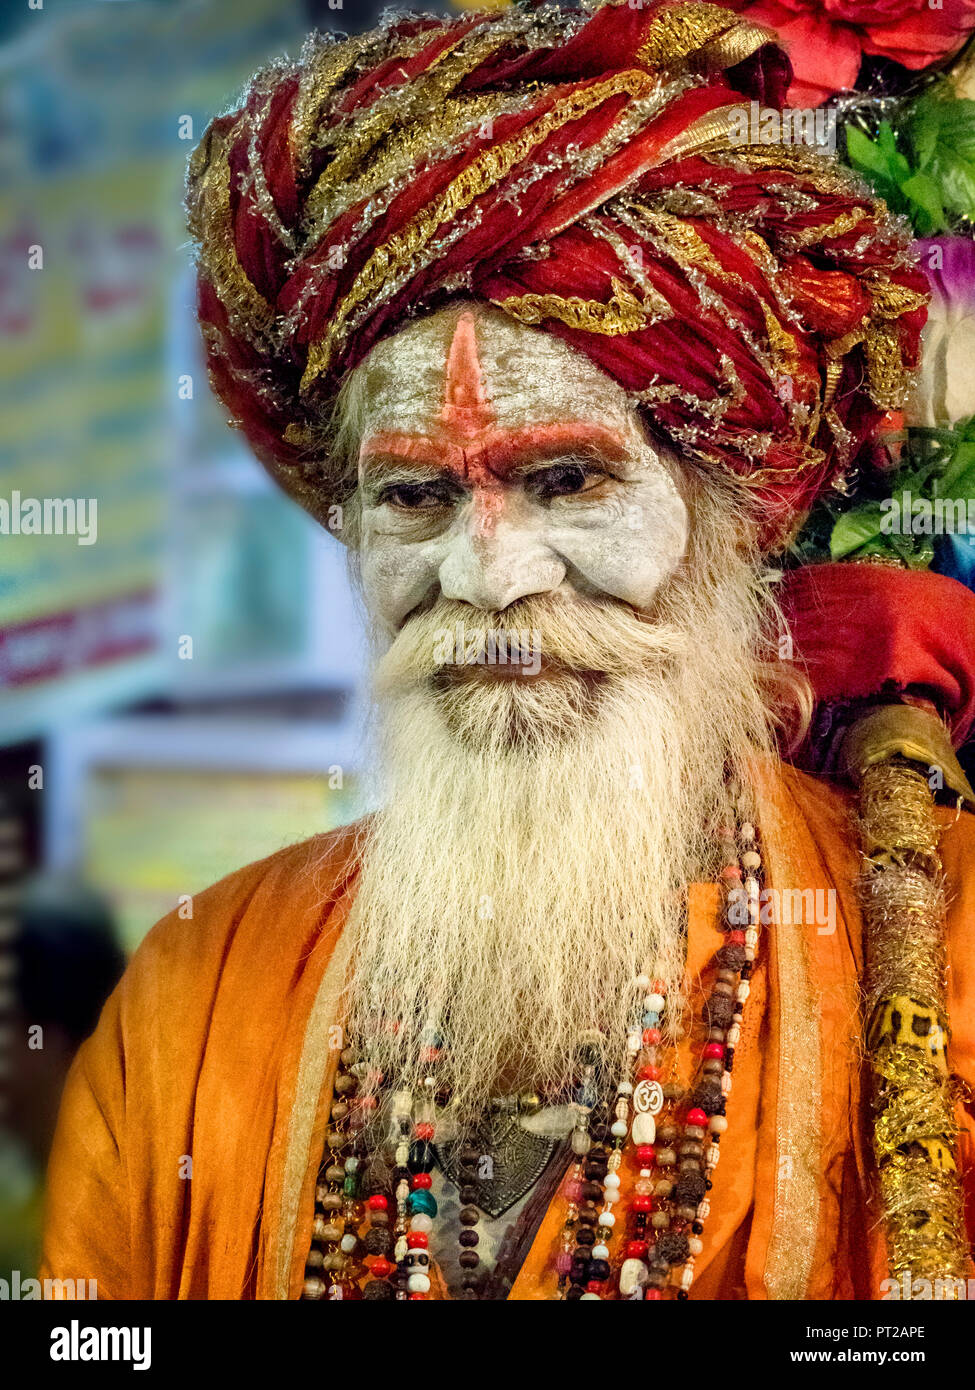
x=585 y=172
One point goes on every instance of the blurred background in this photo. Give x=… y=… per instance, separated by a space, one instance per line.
x=184 y=694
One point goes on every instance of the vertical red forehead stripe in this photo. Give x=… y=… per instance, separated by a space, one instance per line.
x=466 y=409
x=467 y=416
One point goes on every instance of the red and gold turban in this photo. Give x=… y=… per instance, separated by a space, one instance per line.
x=583 y=171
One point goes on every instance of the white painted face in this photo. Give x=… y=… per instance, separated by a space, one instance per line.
x=496 y=463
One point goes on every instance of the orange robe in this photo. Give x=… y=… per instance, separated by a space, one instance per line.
x=194 y=1119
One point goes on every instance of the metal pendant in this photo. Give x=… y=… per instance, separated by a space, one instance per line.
x=512 y=1160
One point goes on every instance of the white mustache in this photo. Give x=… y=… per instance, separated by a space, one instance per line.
x=577 y=634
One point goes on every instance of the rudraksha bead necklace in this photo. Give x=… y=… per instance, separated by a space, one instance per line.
x=355 y=1253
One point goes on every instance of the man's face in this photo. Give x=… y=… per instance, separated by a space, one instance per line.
x=496 y=464
x=536 y=827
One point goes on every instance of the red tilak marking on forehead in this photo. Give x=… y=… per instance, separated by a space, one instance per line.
x=466 y=409
x=490 y=457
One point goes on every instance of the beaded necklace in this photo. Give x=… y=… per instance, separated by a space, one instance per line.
x=375 y=1245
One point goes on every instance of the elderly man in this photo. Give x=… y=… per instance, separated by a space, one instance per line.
x=502 y=302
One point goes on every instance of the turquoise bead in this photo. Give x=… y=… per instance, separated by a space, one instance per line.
x=422 y=1200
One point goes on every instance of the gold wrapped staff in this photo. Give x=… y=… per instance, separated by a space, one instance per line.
x=891 y=755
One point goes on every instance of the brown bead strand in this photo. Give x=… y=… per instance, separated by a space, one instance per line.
x=584 y=1189
x=335 y=1206
x=565 y=1258
x=469 y=1237
x=688 y=1139
x=668 y=1239
x=708 y=1099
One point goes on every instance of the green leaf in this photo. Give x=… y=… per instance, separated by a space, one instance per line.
x=866 y=154
x=898 y=167
x=940 y=130
x=957 y=182
x=923 y=126
x=854 y=530
x=958 y=479
x=927 y=211
x=881 y=163
x=934 y=462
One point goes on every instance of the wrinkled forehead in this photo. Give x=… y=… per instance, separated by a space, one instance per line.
x=523 y=375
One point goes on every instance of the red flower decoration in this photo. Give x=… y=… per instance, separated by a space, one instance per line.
x=826 y=39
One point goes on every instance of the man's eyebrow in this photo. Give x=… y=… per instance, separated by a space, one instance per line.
x=586 y=451
x=501 y=451
x=378 y=467
x=525 y=448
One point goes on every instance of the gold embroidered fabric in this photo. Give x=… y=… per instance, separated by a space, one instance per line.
x=682 y=30
x=623 y=314
x=318 y=83
x=210 y=223
x=405 y=151
x=840 y=226
x=448 y=69
x=783 y=344
x=680 y=237
x=885 y=367
x=486 y=170
x=914 y=1128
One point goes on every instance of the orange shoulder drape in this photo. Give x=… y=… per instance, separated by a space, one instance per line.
x=194 y=1118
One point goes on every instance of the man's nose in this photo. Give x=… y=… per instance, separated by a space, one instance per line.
x=492 y=571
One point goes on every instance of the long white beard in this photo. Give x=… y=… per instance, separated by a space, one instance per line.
x=537 y=837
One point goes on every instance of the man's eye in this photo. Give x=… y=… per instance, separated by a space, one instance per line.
x=564 y=480
x=417 y=496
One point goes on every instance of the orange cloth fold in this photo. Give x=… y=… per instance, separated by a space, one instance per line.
x=193 y=1120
